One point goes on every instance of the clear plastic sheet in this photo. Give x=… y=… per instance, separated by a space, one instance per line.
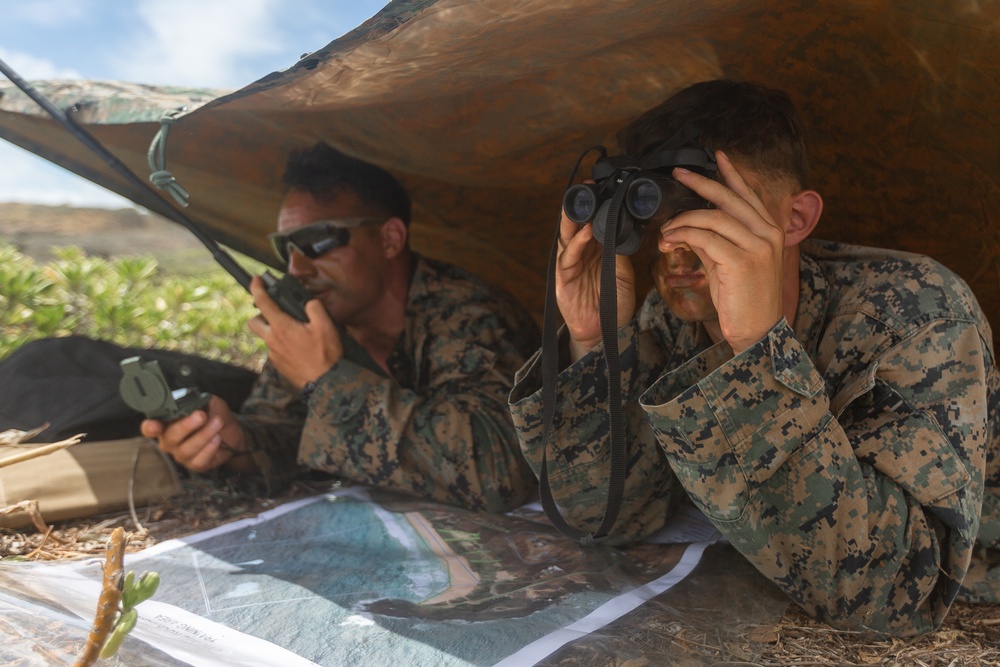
x=714 y=615
x=349 y=578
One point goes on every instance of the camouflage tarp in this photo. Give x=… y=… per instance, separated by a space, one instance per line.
x=483 y=107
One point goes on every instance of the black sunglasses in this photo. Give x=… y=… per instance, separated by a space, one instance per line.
x=315 y=239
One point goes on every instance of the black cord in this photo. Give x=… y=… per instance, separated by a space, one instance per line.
x=550 y=371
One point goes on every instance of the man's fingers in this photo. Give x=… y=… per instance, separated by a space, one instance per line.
x=711 y=247
x=191 y=450
x=567 y=229
x=177 y=431
x=259 y=327
x=315 y=310
x=151 y=428
x=267 y=306
x=715 y=226
x=737 y=249
x=319 y=320
x=204 y=457
x=734 y=197
x=574 y=249
x=176 y=434
x=734 y=179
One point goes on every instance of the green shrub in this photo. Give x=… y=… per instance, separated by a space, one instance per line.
x=128 y=301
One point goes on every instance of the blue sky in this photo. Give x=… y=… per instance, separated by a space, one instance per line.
x=205 y=43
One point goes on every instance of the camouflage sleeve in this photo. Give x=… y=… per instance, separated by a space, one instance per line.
x=453 y=443
x=982 y=582
x=271 y=419
x=863 y=513
x=577 y=452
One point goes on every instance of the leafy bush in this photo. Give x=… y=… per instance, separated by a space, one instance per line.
x=128 y=301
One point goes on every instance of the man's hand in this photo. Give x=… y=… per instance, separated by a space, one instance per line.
x=300 y=351
x=578 y=285
x=202 y=440
x=741 y=247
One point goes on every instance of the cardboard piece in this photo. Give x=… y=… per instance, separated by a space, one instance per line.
x=88 y=478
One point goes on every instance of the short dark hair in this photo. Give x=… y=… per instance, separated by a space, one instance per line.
x=323 y=171
x=746 y=120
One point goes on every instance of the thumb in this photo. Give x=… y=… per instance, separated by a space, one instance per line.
x=151 y=428
x=316 y=312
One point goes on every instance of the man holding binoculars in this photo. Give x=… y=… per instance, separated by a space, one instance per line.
x=834 y=410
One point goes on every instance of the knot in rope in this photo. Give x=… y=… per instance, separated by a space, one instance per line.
x=157 y=156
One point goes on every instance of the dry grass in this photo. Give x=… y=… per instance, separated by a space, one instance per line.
x=204 y=503
x=969 y=637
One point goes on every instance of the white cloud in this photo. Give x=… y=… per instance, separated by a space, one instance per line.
x=25 y=177
x=28 y=178
x=204 y=43
x=45 y=13
x=31 y=67
x=201 y=42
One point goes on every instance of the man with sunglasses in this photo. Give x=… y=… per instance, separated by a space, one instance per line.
x=400 y=376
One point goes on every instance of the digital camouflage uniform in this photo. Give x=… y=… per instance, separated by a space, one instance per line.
x=854 y=460
x=439 y=428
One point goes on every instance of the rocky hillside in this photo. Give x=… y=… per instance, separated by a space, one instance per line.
x=35 y=229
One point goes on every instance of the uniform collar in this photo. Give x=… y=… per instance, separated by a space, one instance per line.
x=814 y=299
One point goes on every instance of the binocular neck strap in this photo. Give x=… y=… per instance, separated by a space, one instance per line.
x=550 y=370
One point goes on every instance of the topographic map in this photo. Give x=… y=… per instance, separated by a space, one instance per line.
x=360 y=577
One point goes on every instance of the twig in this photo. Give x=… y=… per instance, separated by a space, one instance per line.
x=34 y=512
x=38 y=549
x=41 y=450
x=108 y=602
x=13 y=436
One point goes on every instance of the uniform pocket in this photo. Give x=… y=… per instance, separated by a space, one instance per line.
x=905 y=444
x=717 y=486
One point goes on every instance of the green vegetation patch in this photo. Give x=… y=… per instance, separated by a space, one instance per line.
x=129 y=301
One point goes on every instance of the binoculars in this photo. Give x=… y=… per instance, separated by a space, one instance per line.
x=644 y=189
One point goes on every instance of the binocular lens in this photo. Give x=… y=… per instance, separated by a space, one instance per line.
x=644 y=198
x=580 y=203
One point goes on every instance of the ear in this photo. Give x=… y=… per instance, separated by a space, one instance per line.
x=394 y=234
x=806 y=208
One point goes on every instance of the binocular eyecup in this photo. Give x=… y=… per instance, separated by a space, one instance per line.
x=650 y=192
x=646 y=197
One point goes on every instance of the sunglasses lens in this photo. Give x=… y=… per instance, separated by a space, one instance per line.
x=310 y=241
x=279 y=246
x=317 y=247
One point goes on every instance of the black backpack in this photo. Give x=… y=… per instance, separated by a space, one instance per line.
x=72 y=382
